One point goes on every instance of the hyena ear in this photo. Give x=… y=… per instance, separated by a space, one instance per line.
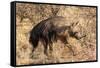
x=74 y=24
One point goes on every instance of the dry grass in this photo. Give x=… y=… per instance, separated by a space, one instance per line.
x=28 y=15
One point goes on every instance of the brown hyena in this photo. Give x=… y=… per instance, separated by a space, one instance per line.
x=51 y=30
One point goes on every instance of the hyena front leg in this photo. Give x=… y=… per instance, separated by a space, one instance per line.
x=70 y=48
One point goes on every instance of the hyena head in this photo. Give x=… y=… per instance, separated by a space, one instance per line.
x=72 y=30
x=67 y=30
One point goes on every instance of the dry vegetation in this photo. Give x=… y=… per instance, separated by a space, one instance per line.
x=28 y=15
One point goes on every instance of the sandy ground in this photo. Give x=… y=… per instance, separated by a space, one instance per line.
x=28 y=15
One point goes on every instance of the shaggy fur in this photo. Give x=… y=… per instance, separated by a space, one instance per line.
x=47 y=31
